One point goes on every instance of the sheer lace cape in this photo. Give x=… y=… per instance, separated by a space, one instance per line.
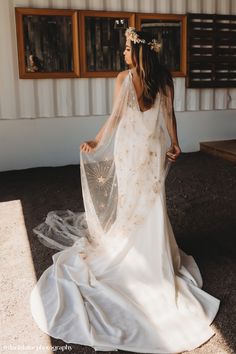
x=120 y=179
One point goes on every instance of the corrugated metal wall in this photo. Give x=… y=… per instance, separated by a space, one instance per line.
x=88 y=97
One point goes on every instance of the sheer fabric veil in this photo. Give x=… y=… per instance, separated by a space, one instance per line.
x=117 y=192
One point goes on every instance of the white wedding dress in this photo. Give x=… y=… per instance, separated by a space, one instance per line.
x=120 y=281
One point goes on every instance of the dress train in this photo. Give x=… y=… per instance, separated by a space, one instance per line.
x=151 y=302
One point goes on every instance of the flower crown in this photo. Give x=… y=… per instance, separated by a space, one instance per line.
x=133 y=36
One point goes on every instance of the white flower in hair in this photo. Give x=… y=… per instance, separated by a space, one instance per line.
x=132 y=35
x=155 y=45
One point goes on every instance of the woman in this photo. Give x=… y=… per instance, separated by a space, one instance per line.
x=120 y=281
x=159 y=78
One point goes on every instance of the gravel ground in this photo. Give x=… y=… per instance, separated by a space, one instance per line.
x=201 y=200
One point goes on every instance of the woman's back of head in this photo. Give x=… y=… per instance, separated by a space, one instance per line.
x=154 y=76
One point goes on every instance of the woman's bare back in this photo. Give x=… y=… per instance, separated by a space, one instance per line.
x=139 y=90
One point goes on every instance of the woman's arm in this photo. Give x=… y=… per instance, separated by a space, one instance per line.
x=89 y=146
x=118 y=83
x=174 y=150
x=174 y=136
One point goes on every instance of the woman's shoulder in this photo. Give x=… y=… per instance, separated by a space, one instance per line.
x=119 y=81
x=122 y=75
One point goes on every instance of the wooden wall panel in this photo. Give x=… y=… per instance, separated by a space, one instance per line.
x=82 y=97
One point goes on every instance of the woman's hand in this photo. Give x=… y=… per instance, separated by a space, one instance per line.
x=88 y=146
x=173 y=152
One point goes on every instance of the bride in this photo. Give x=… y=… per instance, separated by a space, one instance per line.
x=120 y=281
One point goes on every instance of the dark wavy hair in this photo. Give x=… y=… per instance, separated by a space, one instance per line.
x=154 y=76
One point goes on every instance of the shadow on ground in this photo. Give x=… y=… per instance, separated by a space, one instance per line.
x=201 y=200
